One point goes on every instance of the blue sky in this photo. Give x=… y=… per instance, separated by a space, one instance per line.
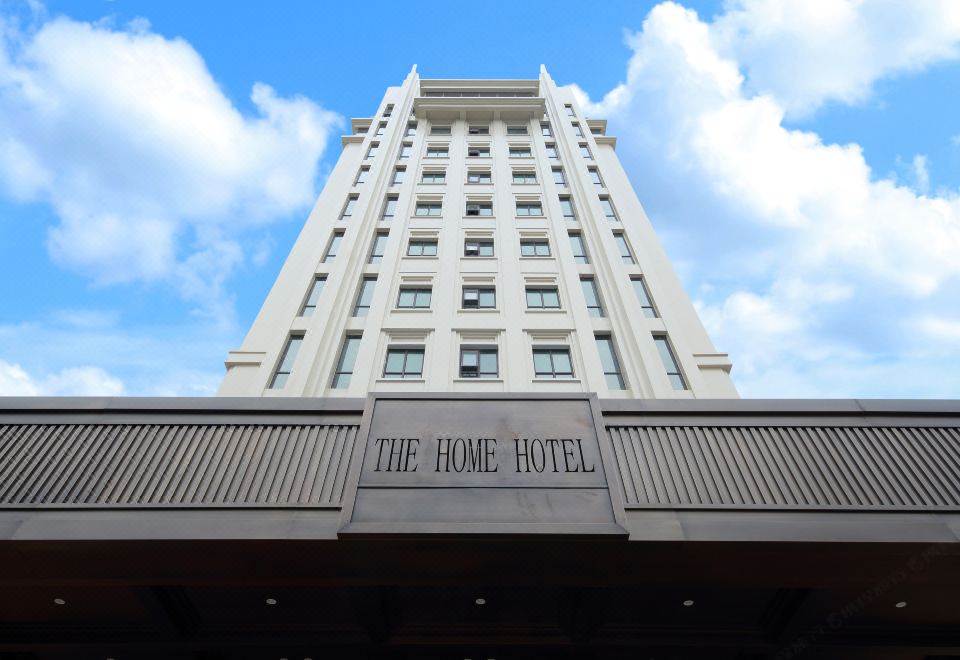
x=800 y=161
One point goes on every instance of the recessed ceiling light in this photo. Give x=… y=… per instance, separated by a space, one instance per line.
x=901 y=604
x=688 y=603
x=59 y=601
x=481 y=601
x=271 y=601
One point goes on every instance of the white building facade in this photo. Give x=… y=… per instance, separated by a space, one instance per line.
x=478 y=236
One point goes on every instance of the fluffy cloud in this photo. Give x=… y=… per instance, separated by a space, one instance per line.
x=153 y=172
x=810 y=269
x=76 y=381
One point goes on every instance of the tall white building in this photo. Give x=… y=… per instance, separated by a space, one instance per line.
x=478 y=236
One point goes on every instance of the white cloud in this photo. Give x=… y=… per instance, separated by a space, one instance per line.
x=76 y=381
x=153 y=172
x=810 y=267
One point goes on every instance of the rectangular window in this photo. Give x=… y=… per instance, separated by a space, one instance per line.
x=348 y=357
x=534 y=247
x=524 y=178
x=403 y=363
x=389 y=110
x=414 y=298
x=478 y=152
x=440 y=130
x=434 y=177
x=432 y=209
x=378 y=247
x=406 y=150
x=437 y=152
x=479 y=177
x=364 y=296
x=566 y=205
x=381 y=127
x=585 y=151
x=479 y=297
x=484 y=209
x=422 y=248
x=399 y=174
x=595 y=177
x=545 y=130
x=389 y=208
x=576 y=130
x=552 y=363
x=372 y=151
x=516 y=130
x=520 y=152
x=643 y=295
x=411 y=130
x=569 y=110
x=543 y=298
x=477 y=248
x=591 y=296
x=361 y=176
x=333 y=246
x=611 y=366
x=669 y=362
x=348 y=207
x=316 y=288
x=625 y=252
x=478 y=130
x=286 y=362
x=579 y=249
x=478 y=363
x=361 y=130
x=552 y=152
x=529 y=208
x=608 y=210
x=558 y=177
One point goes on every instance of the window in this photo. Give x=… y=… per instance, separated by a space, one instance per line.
x=585 y=151
x=348 y=207
x=552 y=152
x=524 y=178
x=569 y=110
x=381 y=127
x=431 y=209
x=422 y=248
x=286 y=362
x=576 y=130
x=435 y=176
x=389 y=110
x=595 y=177
x=552 y=363
x=611 y=366
x=364 y=296
x=361 y=130
x=403 y=363
x=596 y=130
x=545 y=130
x=484 y=297
x=478 y=152
x=566 y=205
x=378 y=247
x=646 y=303
x=479 y=176
x=625 y=253
x=669 y=362
x=389 y=208
x=478 y=248
x=516 y=130
x=348 y=357
x=480 y=209
x=437 y=152
x=478 y=363
x=372 y=151
x=558 y=177
x=520 y=152
x=534 y=247
x=529 y=208
x=316 y=288
x=414 y=298
x=478 y=130
x=333 y=246
x=579 y=249
x=607 y=207
x=591 y=296
x=399 y=174
x=361 y=176
x=406 y=150
x=543 y=298
x=440 y=130
x=411 y=130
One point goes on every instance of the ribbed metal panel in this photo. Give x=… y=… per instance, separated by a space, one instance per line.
x=789 y=466
x=174 y=464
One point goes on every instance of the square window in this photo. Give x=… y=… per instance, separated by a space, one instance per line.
x=403 y=363
x=552 y=152
x=479 y=297
x=543 y=298
x=478 y=248
x=545 y=130
x=434 y=177
x=478 y=363
x=552 y=363
x=411 y=130
x=414 y=298
x=534 y=247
